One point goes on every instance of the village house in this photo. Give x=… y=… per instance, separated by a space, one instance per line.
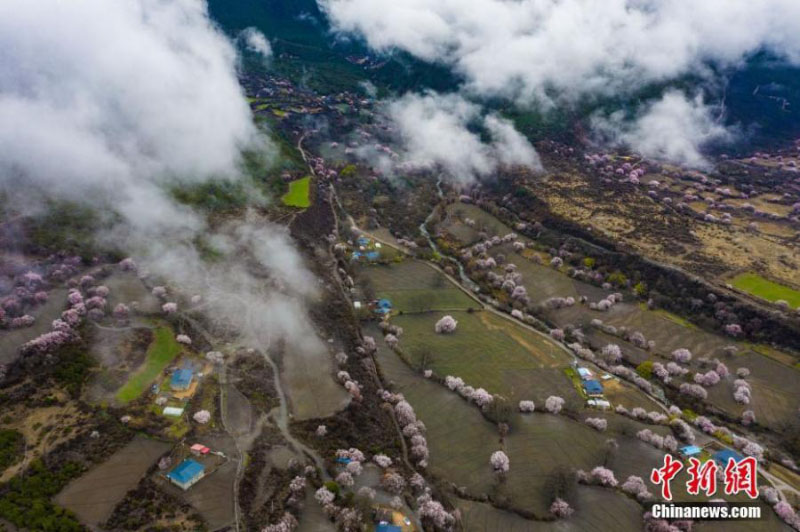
x=187 y=474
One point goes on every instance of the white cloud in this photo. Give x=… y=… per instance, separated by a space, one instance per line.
x=255 y=41
x=674 y=128
x=109 y=103
x=434 y=131
x=545 y=50
x=117 y=97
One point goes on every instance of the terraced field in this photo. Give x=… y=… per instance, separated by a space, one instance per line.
x=486 y=351
x=461 y=440
x=307 y=374
x=764 y=288
x=413 y=286
x=597 y=510
x=455 y=224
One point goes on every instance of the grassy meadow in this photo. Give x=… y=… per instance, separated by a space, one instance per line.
x=758 y=286
x=413 y=286
x=161 y=352
x=298 y=194
x=485 y=350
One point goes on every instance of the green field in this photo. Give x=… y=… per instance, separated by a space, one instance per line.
x=160 y=353
x=298 y=195
x=758 y=286
x=454 y=223
x=413 y=286
x=461 y=440
x=486 y=351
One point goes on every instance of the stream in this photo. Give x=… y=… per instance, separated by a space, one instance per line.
x=423 y=228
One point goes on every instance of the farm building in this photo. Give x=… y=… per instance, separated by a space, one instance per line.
x=173 y=411
x=181 y=379
x=602 y=404
x=199 y=449
x=690 y=450
x=585 y=374
x=722 y=457
x=381 y=306
x=593 y=388
x=186 y=474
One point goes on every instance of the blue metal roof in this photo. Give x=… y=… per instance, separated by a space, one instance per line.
x=182 y=378
x=362 y=241
x=186 y=471
x=724 y=455
x=592 y=387
x=384 y=303
x=373 y=255
x=690 y=450
x=387 y=528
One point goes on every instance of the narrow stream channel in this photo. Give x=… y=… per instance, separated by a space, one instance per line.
x=423 y=228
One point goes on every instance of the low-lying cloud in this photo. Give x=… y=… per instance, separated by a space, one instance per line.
x=112 y=103
x=674 y=128
x=434 y=132
x=543 y=50
x=256 y=42
x=549 y=54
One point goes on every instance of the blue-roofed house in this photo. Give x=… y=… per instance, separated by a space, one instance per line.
x=187 y=473
x=593 y=388
x=373 y=255
x=722 y=457
x=386 y=527
x=181 y=379
x=690 y=450
x=382 y=306
x=362 y=241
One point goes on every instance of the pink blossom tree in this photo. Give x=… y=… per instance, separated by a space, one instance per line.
x=693 y=390
x=612 y=353
x=324 y=496
x=597 y=423
x=682 y=355
x=526 y=407
x=446 y=325
x=202 y=416
x=382 y=460
x=636 y=486
x=604 y=477
x=554 y=404
x=499 y=461
x=733 y=329
x=561 y=509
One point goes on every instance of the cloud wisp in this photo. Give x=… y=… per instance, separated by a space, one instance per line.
x=674 y=128
x=434 y=131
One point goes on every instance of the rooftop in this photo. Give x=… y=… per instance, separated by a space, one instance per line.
x=690 y=450
x=186 y=471
x=722 y=457
x=181 y=379
x=593 y=387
